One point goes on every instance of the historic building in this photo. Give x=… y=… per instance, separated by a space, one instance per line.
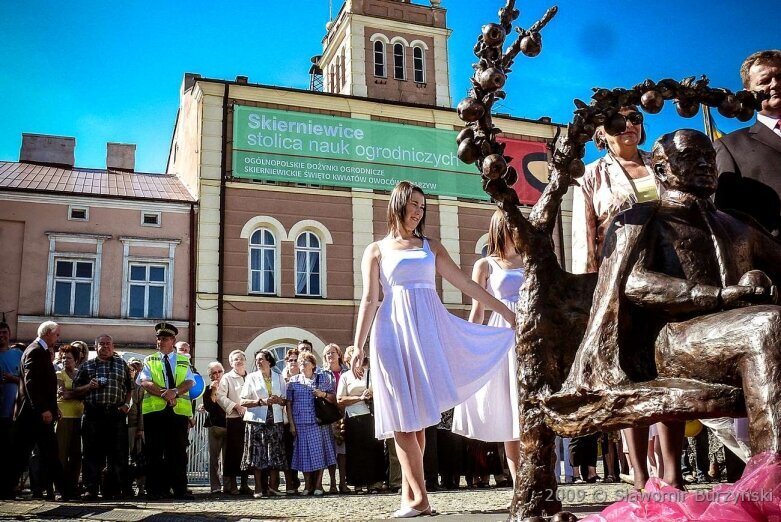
x=97 y=250
x=293 y=184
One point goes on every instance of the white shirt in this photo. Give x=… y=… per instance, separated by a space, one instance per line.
x=350 y=386
x=770 y=122
x=255 y=388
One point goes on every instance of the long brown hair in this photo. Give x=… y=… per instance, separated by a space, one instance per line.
x=498 y=232
x=397 y=207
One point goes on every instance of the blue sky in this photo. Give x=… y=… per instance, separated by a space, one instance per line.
x=111 y=71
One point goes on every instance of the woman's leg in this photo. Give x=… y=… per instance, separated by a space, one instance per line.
x=318 y=479
x=332 y=476
x=341 y=461
x=671 y=447
x=512 y=448
x=409 y=448
x=258 y=480
x=637 y=444
x=309 y=485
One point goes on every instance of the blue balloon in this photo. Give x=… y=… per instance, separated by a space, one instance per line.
x=198 y=388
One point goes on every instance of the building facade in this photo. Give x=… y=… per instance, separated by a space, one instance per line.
x=100 y=251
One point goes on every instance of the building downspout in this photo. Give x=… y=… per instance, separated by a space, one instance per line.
x=193 y=258
x=221 y=240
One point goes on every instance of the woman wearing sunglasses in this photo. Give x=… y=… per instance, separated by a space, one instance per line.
x=610 y=185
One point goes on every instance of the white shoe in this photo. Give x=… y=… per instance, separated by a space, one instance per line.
x=408 y=512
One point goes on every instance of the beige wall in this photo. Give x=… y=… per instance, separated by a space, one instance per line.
x=27 y=218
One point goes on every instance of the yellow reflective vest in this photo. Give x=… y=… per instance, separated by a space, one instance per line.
x=153 y=403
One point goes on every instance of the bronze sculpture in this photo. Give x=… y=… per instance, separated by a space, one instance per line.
x=554 y=305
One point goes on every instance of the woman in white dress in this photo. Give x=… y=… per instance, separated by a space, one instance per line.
x=414 y=333
x=491 y=414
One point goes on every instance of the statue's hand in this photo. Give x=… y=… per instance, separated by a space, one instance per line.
x=736 y=296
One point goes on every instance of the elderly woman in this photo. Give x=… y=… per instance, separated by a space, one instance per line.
x=263 y=395
x=292 y=482
x=229 y=398
x=68 y=428
x=334 y=367
x=82 y=355
x=215 y=422
x=365 y=460
x=135 y=425
x=313 y=450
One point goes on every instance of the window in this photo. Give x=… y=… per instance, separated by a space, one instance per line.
x=73 y=283
x=342 y=74
x=78 y=213
x=147 y=290
x=398 y=62
x=484 y=251
x=418 y=64
x=337 y=74
x=150 y=219
x=379 y=59
x=262 y=260
x=308 y=256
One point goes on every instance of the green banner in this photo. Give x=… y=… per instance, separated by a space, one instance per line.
x=300 y=147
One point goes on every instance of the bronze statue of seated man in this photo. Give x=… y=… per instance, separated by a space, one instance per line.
x=675 y=330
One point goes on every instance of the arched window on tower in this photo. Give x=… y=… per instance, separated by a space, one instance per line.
x=379 y=59
x=399 y=71
x=419 y=64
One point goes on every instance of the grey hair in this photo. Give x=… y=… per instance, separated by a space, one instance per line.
x=47 y=327
x=213 y=365
x=102 y=336
x=237 y=352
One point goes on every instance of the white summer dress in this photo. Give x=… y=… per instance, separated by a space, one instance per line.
x=491 y=414
x=425 y=359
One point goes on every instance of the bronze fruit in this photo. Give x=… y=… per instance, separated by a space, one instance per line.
x=470 y=110
x=531 y=45
x=746 y=112
x=576 y=168
x=729 y=106
x=564 y=516
x=491 y=79
x=494 y=166
x=465 y=133
x=652 y=102
x=511 y=176
x=687 y=109
x=468 y=151
x=615 y=124
x=493 y=34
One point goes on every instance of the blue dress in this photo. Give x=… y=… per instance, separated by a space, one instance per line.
x=425 y=359
x=314 y=446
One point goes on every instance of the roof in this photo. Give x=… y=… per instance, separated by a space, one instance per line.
x=29 y=177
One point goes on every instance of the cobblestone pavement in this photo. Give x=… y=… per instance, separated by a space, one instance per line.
x=463 y=505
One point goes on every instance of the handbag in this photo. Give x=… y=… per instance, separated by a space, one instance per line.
x=326 y=412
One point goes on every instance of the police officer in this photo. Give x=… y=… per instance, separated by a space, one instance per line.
x=166 y=379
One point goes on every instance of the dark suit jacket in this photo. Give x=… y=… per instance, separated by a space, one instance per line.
x=749 y=164
x=38 y=386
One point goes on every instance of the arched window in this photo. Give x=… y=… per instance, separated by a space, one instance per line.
x=337 y=74
x=419 y=64
x=262 y=262
x=379 y=59
x=399 y=62
x=308 y=265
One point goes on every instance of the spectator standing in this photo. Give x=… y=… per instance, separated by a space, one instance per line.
x=9 y=384
x=264 y=395
x=334 y=367
x=291 y=475
x=313 y=450
x=68 y=428
x=166 y=379
x=229 y=398
x=37 y=413
x=105 y=384
x=215 y=422
x=365 y=460
x=135 y=427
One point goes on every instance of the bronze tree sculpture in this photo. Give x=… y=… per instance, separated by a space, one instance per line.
x=554 y=305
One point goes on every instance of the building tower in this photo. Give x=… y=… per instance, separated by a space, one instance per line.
x=388 y=50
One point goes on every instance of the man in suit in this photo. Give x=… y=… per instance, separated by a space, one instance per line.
x=37 y=412
x=749 y=159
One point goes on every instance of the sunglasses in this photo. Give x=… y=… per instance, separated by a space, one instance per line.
x=292 y=361
x=635 y=118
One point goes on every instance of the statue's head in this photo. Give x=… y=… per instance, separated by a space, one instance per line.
x=684 y=160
